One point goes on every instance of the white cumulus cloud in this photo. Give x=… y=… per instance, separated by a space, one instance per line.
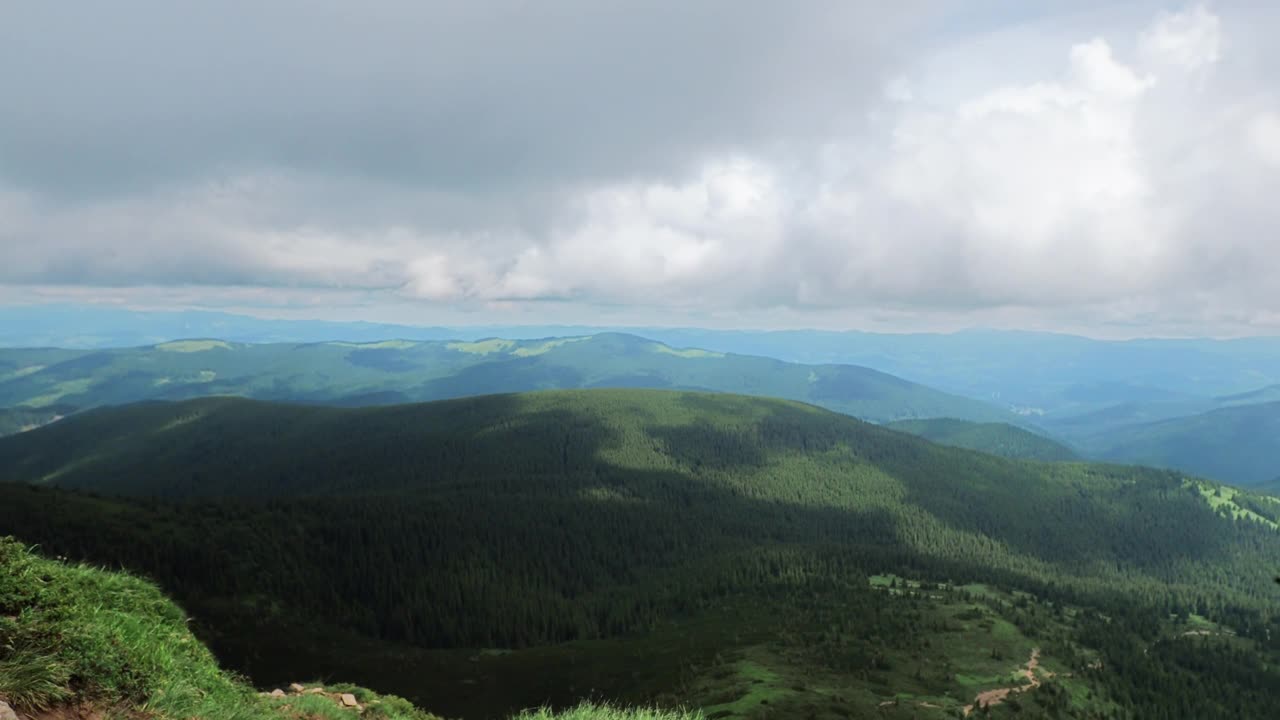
x=1121 y=176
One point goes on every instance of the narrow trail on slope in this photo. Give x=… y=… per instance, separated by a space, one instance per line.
x=997 y=696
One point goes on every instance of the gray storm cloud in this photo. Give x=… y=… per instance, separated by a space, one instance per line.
x=818 y=157
x=461 y=96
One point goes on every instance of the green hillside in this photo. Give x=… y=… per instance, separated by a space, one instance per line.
x=483 y=555
x=1233 y=444
x=397 y=371
x=22 y=419
x=1095 y=428
x=995 y=438
x=77 y=641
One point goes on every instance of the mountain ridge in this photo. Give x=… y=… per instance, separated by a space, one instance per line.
x=392 y=371
x=1000 y=439
x=1233 y=444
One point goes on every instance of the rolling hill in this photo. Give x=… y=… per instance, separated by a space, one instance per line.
x=486 y=554
x=1233 y=444
x=1038 y=372
x=1095 y=428
x=1048 y=374
x=995 y=438
x=396 y=371
x=21 y=419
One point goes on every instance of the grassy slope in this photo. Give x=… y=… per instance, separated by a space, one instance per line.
x=994 y=438
x=1233 y=444
x=72 y=635
x=399 y=371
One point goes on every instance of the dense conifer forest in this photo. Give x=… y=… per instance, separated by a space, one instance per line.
x=562 y=519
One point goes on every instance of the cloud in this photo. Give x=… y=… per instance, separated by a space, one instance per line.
x=676 y=160
x=462 y=96
x=1264 y=131
x=1188 y=39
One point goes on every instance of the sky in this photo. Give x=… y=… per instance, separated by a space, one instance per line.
x=1106 y=168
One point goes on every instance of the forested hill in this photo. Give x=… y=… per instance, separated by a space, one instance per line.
x=22 y=419
x=996 y=438
x=614 y=450
x=398 y=371
x=1233 y=444
x=534 y=520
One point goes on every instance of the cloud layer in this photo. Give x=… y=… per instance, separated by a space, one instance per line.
x=828 y=161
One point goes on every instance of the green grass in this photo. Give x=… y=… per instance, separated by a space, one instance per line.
x=685 y=352
x=72 y=631
x=599 y=711
x=759 y=684
x=482 y=347
x=1229 y=500
x=57 y=392
x=193 y=346
x=545 y=346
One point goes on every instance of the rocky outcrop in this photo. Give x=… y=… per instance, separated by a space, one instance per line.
x=341 y=699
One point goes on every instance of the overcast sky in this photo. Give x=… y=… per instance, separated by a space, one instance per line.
x=1098 y=167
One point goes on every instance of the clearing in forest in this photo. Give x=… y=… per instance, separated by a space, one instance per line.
x=997 y=696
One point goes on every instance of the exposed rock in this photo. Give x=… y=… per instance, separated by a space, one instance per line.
x=314 y=691
x=6 y=712
x=296 y=688
x=277 y=693
x=349 y=700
